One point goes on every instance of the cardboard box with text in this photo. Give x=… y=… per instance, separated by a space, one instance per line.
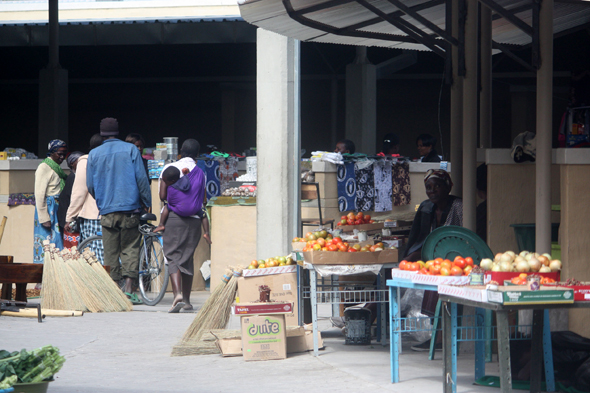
x=264 y=337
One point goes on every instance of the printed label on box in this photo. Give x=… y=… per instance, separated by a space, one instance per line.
x=286 y=287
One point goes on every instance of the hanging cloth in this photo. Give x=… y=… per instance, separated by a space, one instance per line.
x=228 y=171
x=383 y=185
x=365 y=185
x=400 y=175
x=346 y=185
x=212 y=178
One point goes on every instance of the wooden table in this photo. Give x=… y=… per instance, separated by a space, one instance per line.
x=540 y=346
x=20 y=274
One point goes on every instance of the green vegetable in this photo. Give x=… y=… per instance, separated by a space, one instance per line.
x=30 y=367
x=8 y=382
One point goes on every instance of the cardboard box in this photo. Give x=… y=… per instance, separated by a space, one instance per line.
x=298 y=340
x=298 y=246
x=263 y=308
x=350 y=258
x=270 y=270
x=500 y=277
x=581 y=292
x=323 y=166
x=264 y=337
x=377 y=226
x=283 y=288
x=520 y=294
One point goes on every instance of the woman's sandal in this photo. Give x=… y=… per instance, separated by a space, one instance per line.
x=133 y=298
x=176 y=308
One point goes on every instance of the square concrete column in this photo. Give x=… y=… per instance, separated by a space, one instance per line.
x=278 y=143
x=361 y=101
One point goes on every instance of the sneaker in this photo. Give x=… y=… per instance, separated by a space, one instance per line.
x=425 y=347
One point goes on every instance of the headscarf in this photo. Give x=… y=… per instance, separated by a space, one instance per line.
x=439 y=174
x=73 y=157
x=54 y=146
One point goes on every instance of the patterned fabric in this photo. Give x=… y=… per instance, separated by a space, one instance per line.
x=383 y=188
x=438 y=174
x=365 y=186
x=455 y=216
x=228 y=170
x=90 y=228
x=41 y=233
x=57 y=169
x=211 y=170
x=346 y=185
x=55 y=145
x=71 y=239
x=401 y=183
x=21 y=199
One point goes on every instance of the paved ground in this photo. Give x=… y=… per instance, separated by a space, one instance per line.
x=130 y=352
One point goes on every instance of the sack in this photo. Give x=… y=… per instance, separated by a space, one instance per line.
x=71 y=239
x=524 y=147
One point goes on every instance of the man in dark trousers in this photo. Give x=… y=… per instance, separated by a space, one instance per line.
x=116 y=178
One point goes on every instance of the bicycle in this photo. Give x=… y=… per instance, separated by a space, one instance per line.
x=153 y=270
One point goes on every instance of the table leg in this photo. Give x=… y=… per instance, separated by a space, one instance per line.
x=480 y=343
x=314 y=309
x=335 y=296
x=537 y=351
x=548 y=354
x=504 y=351
x=449 y=327
x=300 y=295
x=383 y=310
x=394 y=334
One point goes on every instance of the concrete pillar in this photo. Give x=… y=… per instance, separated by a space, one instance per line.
x=361 y=99
x=485 y=95
x=470 y=130
x=544 y=128
x=456 y=111
x=53 y=90
x=278 y=143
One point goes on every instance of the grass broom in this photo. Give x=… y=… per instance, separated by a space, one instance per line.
x=215 y=314
x=109 y=288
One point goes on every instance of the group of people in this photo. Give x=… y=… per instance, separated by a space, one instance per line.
x=425 y=143
x=107 y=191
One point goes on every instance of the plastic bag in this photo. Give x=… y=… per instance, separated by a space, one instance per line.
x=415 y=325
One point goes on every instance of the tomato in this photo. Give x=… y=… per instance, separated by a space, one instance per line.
x=343 y=221
x=359 y=216
x=467 y=270
x=343 y=218
x=337 y=239
x=438 y=261
x=428 y=264
x=435 y=270
x=469 y=261
x=367 y=218
x=365 y=249
x=332 y=247
x=403 y=265
x=456 y=271
x=423 y=271
x=445 y=271
x=460 y=262
x=322 y=242
x=415 y=266
x=317 y=247
x=342 y=247
x=372 y=248
x=379 y=244
x=371 y=221
x=352 y=250
x=350 y=216
x=356 y=246
x=357 y=222
x=446 y=263
x=350 y=221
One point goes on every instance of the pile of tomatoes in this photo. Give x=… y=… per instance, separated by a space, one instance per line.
x=336 y=244
x=440 y=267
x=521 y=279
x=355 y=219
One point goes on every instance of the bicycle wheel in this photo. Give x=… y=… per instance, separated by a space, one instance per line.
x=95 y=244
x=153 y=271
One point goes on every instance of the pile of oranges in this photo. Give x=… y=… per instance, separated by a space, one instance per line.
x=522 y=278
x=336 y=244
x=440 y=267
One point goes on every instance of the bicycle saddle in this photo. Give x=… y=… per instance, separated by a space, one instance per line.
x=148 y=217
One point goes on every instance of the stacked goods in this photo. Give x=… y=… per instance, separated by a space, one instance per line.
x=271 y=262
x=78 y=282
x=29 y=367
x=355 y=219
x=214 y=314
x=525 y=262
x=522 y=278
x=322 y=241
x=440 y=267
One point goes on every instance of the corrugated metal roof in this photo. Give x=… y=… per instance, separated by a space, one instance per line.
x=127 y=21
x=349 y=22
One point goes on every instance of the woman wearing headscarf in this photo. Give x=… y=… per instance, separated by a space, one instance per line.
x=83 y=206
x=71 y=238
x=440 y=209
x=50 y=180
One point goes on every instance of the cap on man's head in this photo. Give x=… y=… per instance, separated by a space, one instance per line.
x=109 y=127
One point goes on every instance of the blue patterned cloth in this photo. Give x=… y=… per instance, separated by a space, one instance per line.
x=365 y=186
x=90 y=228
x=41 y=233
x=346 y=187
x=211 y=170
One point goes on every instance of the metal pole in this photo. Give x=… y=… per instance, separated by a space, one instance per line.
x=470 y=116
x=456 y=110
x=485 y=96
x=296 y=141
x=53 y=34
x=544 y=123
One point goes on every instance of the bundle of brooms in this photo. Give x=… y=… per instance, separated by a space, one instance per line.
x=214 y=315
x=78 y=282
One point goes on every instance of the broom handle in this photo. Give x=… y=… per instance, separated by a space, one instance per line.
x=28 y=313
x=2 y=227
x=61 y=313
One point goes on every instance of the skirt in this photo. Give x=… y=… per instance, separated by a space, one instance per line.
x=181 y=238
x=41 y=233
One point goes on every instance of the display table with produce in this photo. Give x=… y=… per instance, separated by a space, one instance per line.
x=329 y=263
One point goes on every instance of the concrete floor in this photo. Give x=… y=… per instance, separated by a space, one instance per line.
x=130 y=352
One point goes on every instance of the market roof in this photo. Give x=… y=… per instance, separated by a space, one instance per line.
x=394 y=23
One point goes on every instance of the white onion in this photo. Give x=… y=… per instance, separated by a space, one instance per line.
x=506 y=257
x=534 y=264
x=513 y=267
x=523 y=267
x=545 y=269
x=505 y=266
x=486 y=264
x=496 y=268
x=544 y=260
x=555 y=265
x=547 y=255
x=518 y=259
x=497 y=257
x=511 y=253
x=523 y=253
x=529 y=256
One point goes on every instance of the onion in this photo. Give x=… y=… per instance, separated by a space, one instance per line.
x=545 y=269
x=529 y=256
x=505 y=266
x=511 y=253
x=523 y=253
x=518 y=259
x=544 y=260
x=486 y=264
x=497 y=257
x=523 y=267
x=506 y=257
x=534 y=264
x=496 y=268
x=513 y=267
x=555 y=265
x=547 y=255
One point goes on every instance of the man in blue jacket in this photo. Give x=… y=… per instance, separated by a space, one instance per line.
x=116 y=178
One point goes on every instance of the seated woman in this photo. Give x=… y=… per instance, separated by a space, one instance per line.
x=441 y=209
x=425 y=144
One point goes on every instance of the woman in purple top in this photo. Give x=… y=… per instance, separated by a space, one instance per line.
x=182 y=219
